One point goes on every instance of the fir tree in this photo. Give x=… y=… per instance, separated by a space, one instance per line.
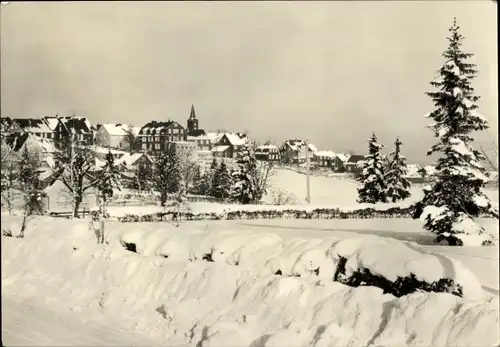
x=108 y=180
x=211 y=177
x=454 y=197
x=397 y=185
x=373 y=187
x=167 y=174
x=143 y=179
x=244 y=188
x=197 y=187
x=222 y=182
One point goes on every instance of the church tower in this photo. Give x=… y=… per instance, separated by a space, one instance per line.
x=192 y=123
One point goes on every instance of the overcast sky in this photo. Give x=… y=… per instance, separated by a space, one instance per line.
x=332 y=71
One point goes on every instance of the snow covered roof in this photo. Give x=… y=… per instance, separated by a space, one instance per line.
x=264 y=148
x=51 y=122
x=294 y=145
x=234 y=139
x=104 y=150
x=32 y=125
x=129 y=159
x=48 y=146
x=120 y=129
x=312 y=147
x=329 y=154
x=212 y=137
x=412 y=169
x=343 y=157
x=355 y=158
x=219 y=149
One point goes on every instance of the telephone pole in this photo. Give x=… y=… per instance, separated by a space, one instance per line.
x=307 y=173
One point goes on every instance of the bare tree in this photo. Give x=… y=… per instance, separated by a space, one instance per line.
x=130 y=139
x=265 y=171
x=10 y=176
x=188 y=165
x=75 y=169
x=282 y=197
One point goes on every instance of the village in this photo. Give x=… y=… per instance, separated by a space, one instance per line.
x=137 y=145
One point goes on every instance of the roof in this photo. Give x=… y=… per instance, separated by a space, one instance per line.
x=155 y=125
x=312 y=147
x=343 y=157
x=79 y=124
x=266 y=148
x=235 y=139
x=104 y=150
x=32 y=125
x=51 y=122
x=120 y=129
x=355 y=158
x=197 y=132
x=295 y=145
x=219 y=149
x=129 y=159
x=17 y=142
x=329 y=154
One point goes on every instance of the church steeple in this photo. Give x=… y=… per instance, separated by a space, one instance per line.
x=192 y=122
x=193 y=114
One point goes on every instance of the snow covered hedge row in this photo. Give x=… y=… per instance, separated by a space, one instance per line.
x=384 y=263
x=276 y=213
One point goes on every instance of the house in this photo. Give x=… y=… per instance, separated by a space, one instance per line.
x=130 y=161
x=81 y=128
x=192 y=125
x=267 y=152
x=184 y=149
x=205 y=142
x=412 y=170
x=154 y=136
x=354 y=164
x=324 y=159
x=338 y=163
x=228 y=145
x=100 y=152
x=35 y=126
x=45 y=148
x=294 y=151
x=117 y=136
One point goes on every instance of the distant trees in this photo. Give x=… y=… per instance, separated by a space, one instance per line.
x=454 y=198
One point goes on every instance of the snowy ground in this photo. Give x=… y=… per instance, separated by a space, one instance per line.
x=67 y=282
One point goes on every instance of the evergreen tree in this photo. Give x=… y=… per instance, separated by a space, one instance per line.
x=197 y=187
x=454 y=198
x=244 y=188
x=212 y=179
x=397 y=185
x=373 y=187
x=29 y=182
x=222 y=182
x=143 y=177
x=167 y=176
x=108 y=180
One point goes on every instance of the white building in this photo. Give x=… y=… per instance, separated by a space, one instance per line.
x=116 y=135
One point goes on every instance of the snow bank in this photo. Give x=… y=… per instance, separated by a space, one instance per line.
x=235 y=299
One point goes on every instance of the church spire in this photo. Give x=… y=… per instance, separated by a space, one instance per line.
x=192 y=115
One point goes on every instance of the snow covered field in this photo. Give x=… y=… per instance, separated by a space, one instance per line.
x=60 y=275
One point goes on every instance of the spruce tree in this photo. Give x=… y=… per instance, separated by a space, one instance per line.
x=167 y=176
x=212 y=177
x=397 y=185
x=244 y=187
x=108 y=180
x=197 y=187
x=223 y=182
x=454 y=197
x=373 y=187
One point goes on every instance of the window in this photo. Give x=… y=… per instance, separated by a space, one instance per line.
x=157 y=146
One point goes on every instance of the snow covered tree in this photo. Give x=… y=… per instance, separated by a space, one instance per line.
x=108 y=180
x=143 y=177
x=245 y=189
x=397 y=185
x=167 y=178
x=222 y=182
x=9 y=176
x=75 y=168
x=373 y=187
x=197 y=186
x=454 y=197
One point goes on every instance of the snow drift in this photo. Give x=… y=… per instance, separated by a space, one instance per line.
x=234 y=297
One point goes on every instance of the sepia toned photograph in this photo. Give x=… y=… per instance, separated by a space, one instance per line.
x=249 y=173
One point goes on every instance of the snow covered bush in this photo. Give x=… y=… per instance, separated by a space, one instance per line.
x=454 y=198
x=398 y=187
x=167 y=175
x=282 y=197
x=372 y=178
